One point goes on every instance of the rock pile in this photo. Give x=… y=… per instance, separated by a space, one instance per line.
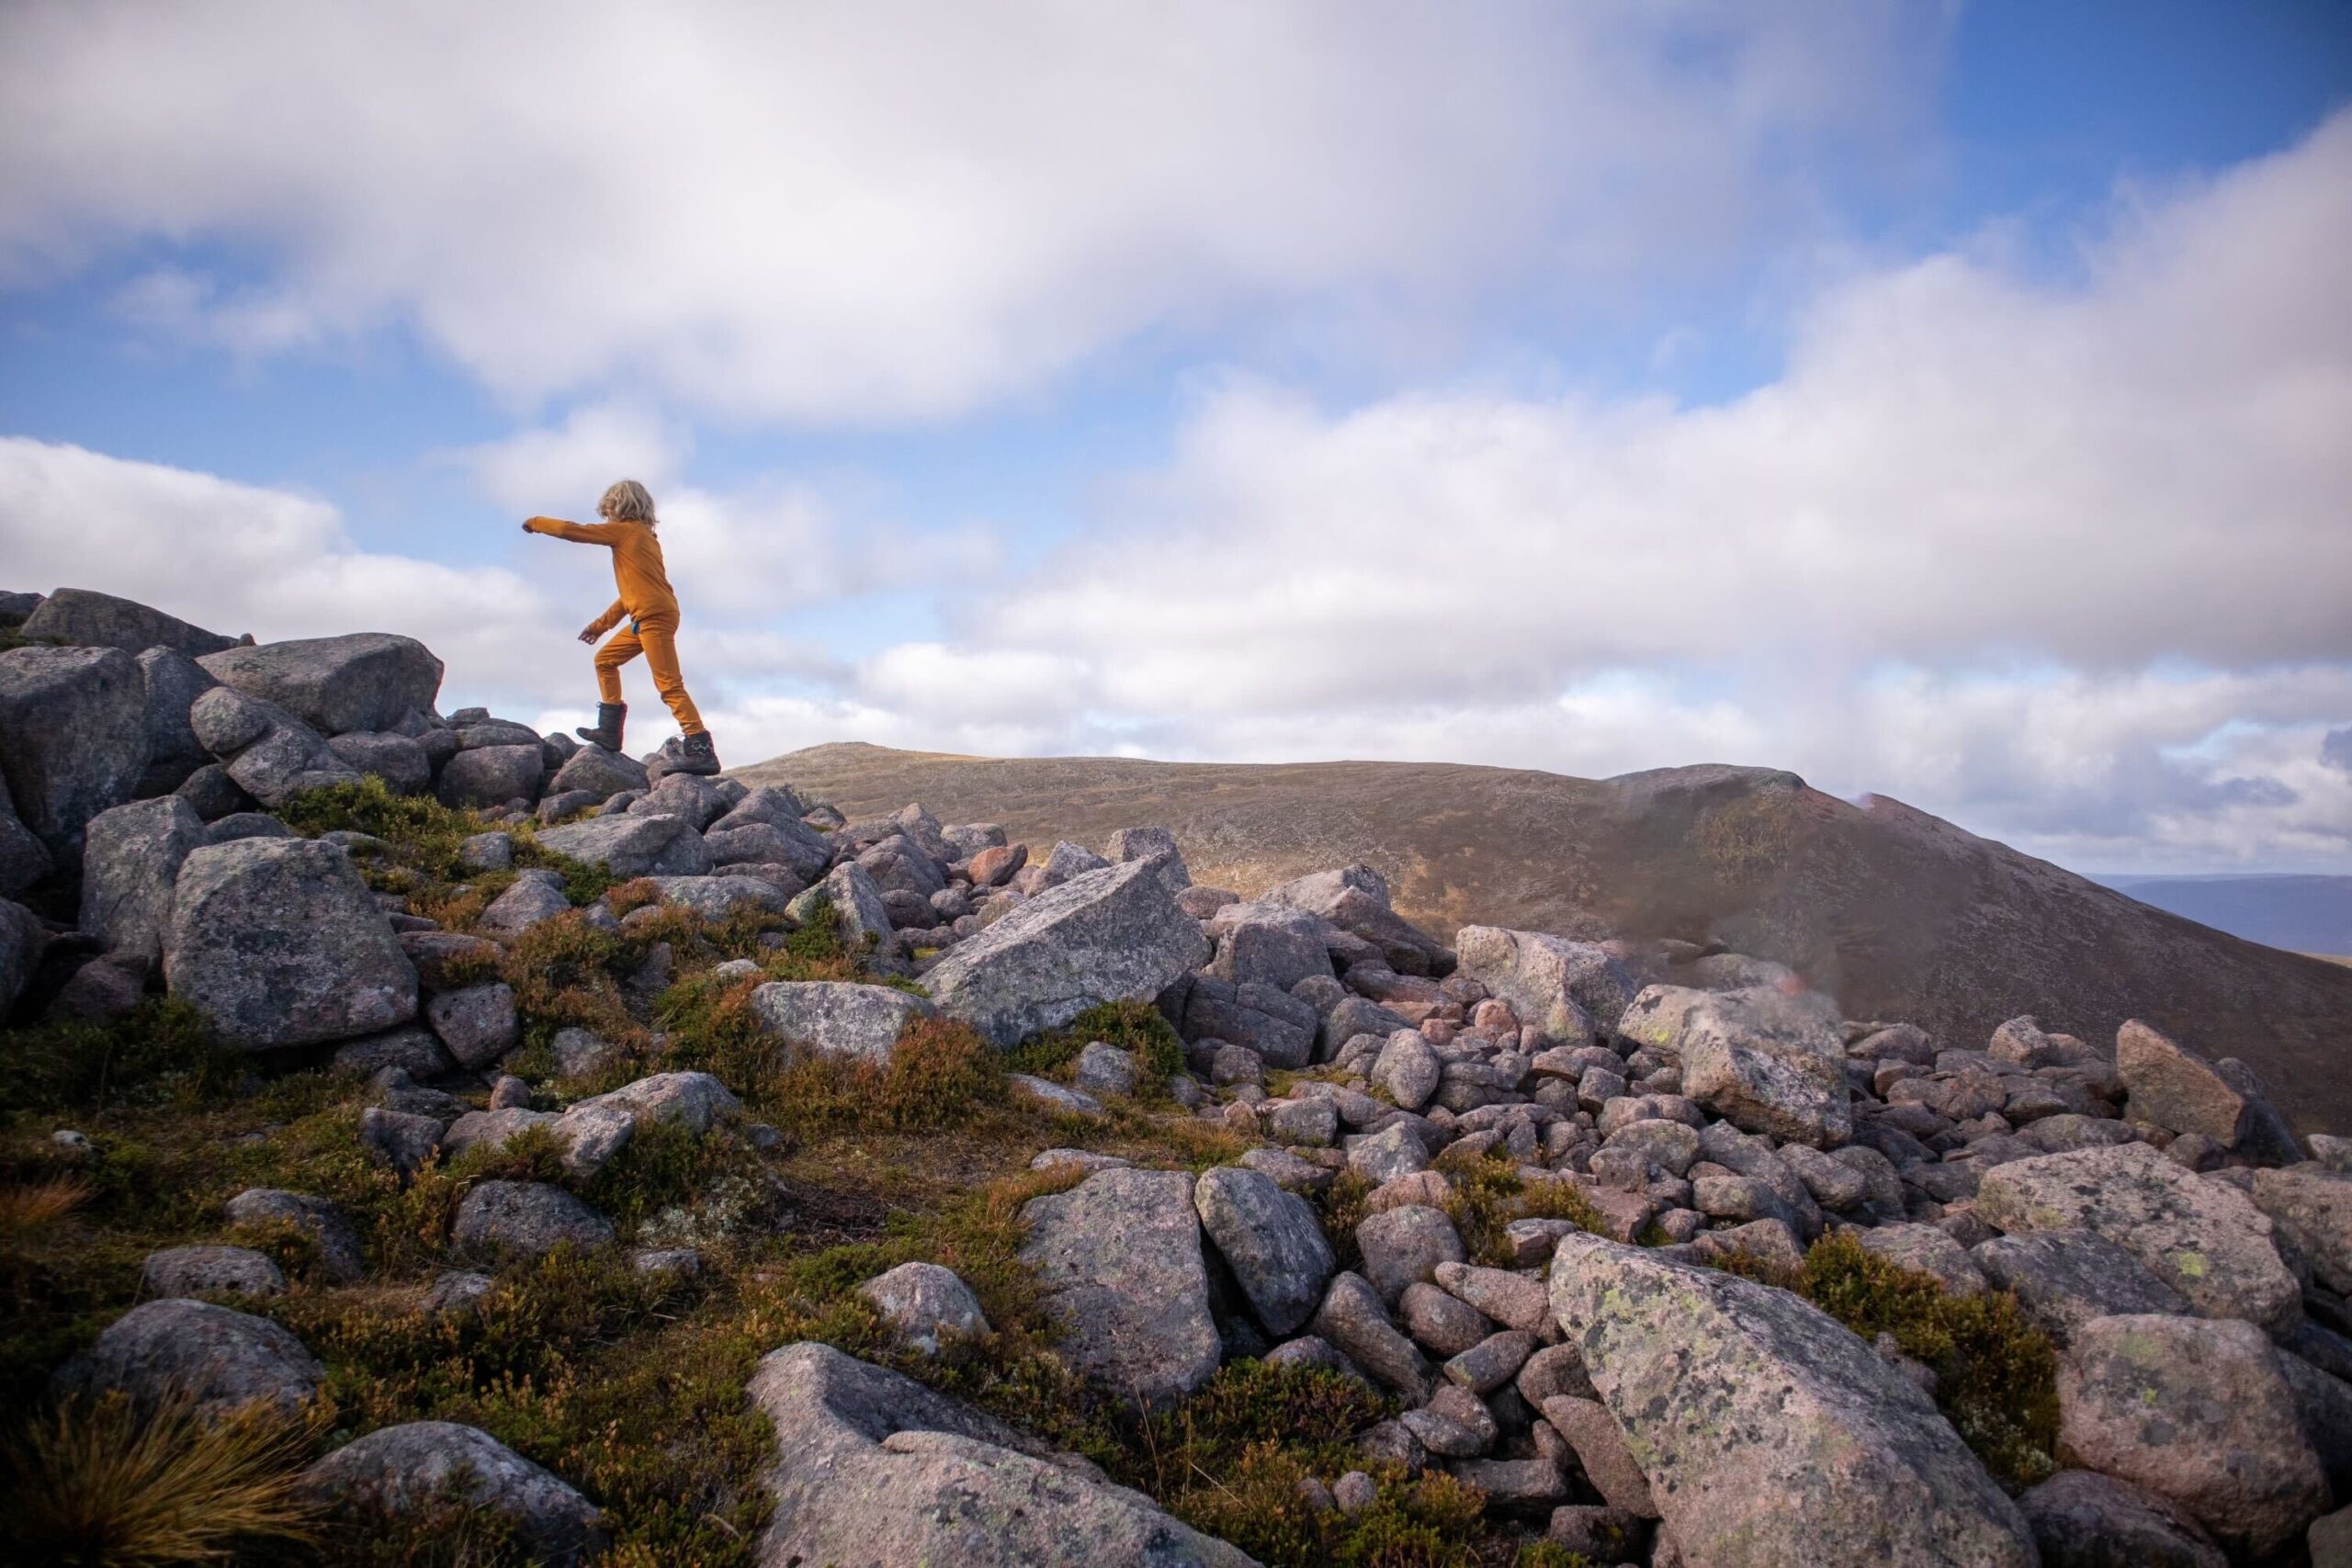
x=1605 y=1358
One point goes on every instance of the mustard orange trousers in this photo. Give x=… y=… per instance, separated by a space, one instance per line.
x=657 y=638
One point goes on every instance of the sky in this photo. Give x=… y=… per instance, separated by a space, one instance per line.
x=1950 y=401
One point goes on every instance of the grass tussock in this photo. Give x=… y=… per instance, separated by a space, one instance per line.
x=1489 y=1193
x=423 y=839
x=1133 y=1027
x=159 y=1053
x=96 y=1484
x=1997 y=1373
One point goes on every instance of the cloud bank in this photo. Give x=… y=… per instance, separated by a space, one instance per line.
x=898 y=208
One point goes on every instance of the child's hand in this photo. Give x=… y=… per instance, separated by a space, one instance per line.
x=587 y=634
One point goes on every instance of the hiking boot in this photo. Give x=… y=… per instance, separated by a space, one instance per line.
x=608 y=733
x=692 y=754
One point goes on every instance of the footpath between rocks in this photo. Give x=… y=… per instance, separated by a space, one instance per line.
x=454 y=1145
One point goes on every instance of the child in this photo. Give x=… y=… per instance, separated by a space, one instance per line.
x=652 y=612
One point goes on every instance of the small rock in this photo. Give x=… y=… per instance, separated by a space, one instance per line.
x=478 y=1025
x=526 y=1217
x=334 y=1243
x=210 y=1271
x=1404 y=1244
x=922 y=1301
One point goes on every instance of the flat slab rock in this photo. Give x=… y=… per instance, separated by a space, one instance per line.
x=836 y=1018
x=1769 y=1434
x=1119 y=1259
x=1107 y=936
x=2205 y=1239
x=397 y=1469
x=875 y=1470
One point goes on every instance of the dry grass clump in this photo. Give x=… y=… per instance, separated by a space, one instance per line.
x=95 y=1484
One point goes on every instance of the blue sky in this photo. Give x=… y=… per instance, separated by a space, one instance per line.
x=1940 y=401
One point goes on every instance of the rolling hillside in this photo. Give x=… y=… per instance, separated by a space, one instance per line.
x=1901 y=914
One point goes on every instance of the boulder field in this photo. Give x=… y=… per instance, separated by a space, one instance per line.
x=1647 y=1252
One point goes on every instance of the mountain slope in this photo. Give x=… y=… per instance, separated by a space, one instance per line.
x=1901 y=914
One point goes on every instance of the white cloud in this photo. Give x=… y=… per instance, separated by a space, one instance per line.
x=897 y=208
x=2065 y=559
x=238 y=557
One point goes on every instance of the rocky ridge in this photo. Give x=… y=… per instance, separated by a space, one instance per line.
x=1639 y=1250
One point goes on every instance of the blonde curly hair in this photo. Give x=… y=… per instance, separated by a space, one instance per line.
x=628 y=502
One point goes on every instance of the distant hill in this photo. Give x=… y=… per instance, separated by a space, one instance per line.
x=2302 y=914
x=1898 y=913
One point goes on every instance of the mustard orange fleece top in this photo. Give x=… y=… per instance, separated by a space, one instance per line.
x=636 y=567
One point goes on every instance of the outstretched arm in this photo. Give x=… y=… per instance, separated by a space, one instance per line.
x=578 y=533
x=603 y=623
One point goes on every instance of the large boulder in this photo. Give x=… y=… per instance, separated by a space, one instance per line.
x=716 y=898
x=793 y=845
x=1760 y=1058
x=1272 y=944
x=400 y=761
x=2084 y=1519
x=1107 y=936
x=22 y=940
x=492 y=775
x=2180 y=1091
x=72 y=739
x=24 y=859
x=2205 y=1239
x=1355 y=899
x=1566 y=988
x=598 y=772
x=633 y=846
x=1769 y=1433
x=1118 y=1258
x=835 y=1018
x=396 y=1470
x=277 y=942
x=2194 y=1410
x=173 y=682
x=1269 y=1239
x=364 y=680
x=859 y=917
x=130 y=857
x=2064 y=1278
x=269 y=752
x=82 y=617
x=873 y=1469
x=214 y=1358
x=2311 y=1207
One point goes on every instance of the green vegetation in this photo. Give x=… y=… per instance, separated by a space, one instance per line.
x=1488 y=1193
x=422 y=838
x=629 y=1384
x=160 y=1054
x=1997 y=1373
x=1134 y=1027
